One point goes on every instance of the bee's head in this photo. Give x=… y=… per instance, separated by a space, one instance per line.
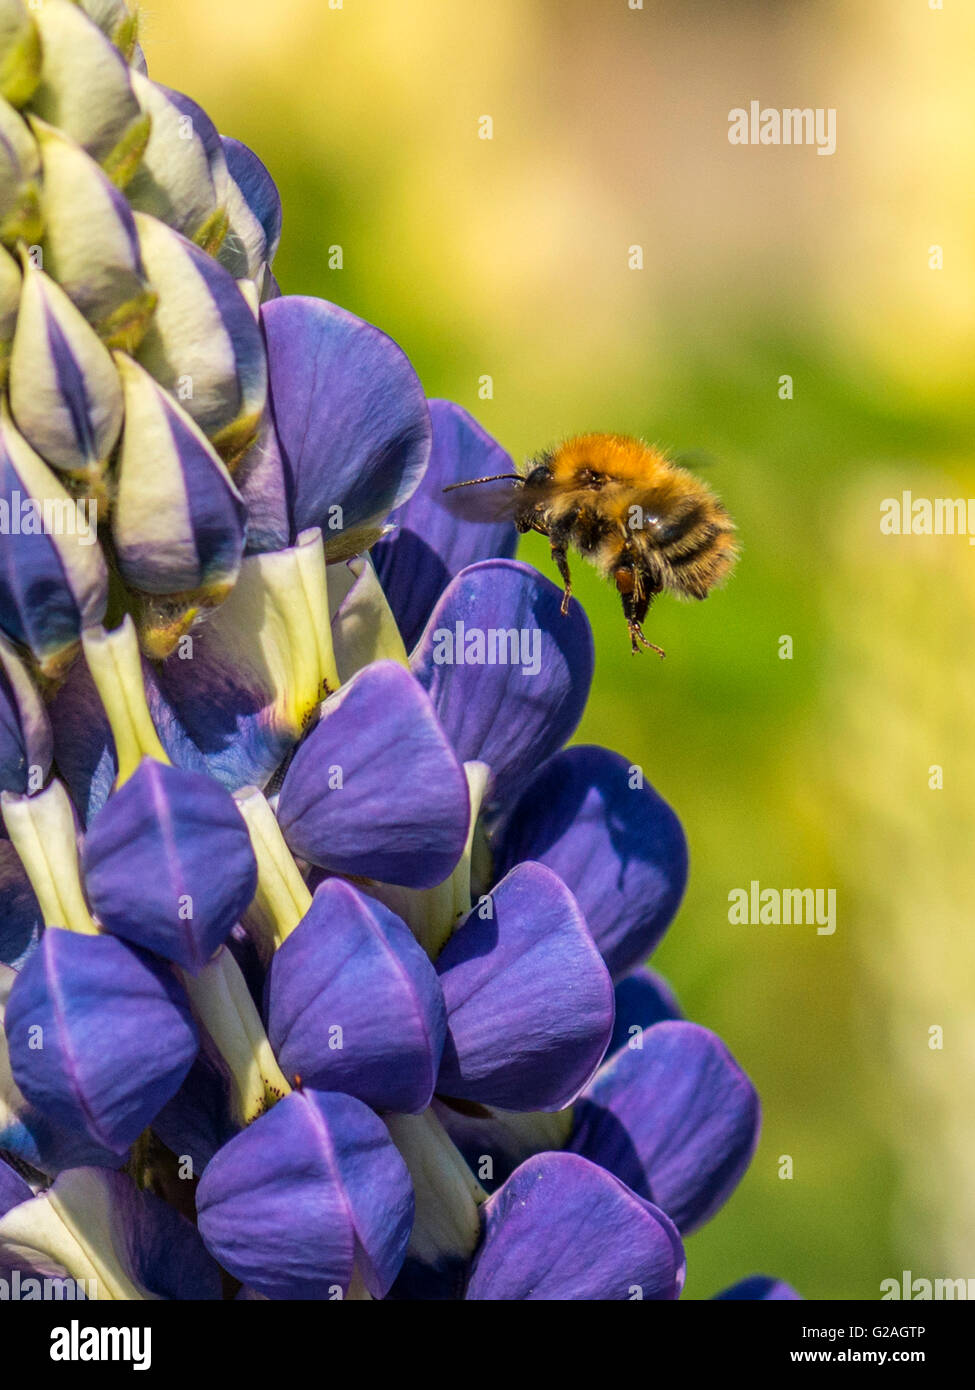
x=539 y=471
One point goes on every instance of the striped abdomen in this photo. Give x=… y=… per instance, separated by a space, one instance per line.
x=690 y=547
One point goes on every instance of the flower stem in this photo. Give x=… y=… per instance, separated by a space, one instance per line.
x=447 y=1225
x=222 y=1002
x=116 y=668
x=282 y=897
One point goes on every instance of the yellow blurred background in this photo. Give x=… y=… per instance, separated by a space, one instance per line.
x=510 y=258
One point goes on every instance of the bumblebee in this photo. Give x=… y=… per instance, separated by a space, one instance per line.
x=644 y=522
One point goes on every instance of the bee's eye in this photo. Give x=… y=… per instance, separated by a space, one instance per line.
x=588 y=477
x=541 y=473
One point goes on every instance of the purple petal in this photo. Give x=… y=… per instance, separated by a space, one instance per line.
x=179 y=747
x=161 y=1248
x=198 y=1120
x=562 y=1229
x=311 y=1189
x=265 y=486
x=375 y=790
x=760 y=1288
x=529 y=1001
x=354 y=1004
x=591 y=818
x=676 y=1120
x=49 y=1147
x=350 y=416
x=642 y=999
x=225 y=712
x=84 y=747
x=168 y=863
x=20 y=914
x=13 y=1189
x=52 y=583
x=507 y=673
x=258 y=188
x=25 y=730
x=117 y=1035
x=26 y=1133
x=431 y=545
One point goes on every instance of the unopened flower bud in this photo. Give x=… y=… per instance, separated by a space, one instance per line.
x=95 y=258
x=85 y=90
x=178 y=522
x=261 y=196
x=65 y=394
x=174 y=182
x=53 y=581
x=117 y=22
x=238 y=241
x=204 y=344
x=20 y=167
x=9 y=303
x=20 y=52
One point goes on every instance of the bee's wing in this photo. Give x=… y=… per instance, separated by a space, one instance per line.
x=694 y=460
x=490 y=499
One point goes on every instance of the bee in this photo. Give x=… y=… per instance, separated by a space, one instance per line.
x=644 y=522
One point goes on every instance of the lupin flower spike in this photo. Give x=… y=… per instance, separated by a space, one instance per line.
x=291 y=890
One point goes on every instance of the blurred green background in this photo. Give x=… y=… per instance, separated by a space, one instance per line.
x=509 y=258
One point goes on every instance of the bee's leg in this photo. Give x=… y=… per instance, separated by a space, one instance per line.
x=635 y=604
x=530 y=521
x=636 y=635
x=559 y=556
x=559 y=537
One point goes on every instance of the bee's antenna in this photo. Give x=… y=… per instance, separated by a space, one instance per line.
x=494 y=478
